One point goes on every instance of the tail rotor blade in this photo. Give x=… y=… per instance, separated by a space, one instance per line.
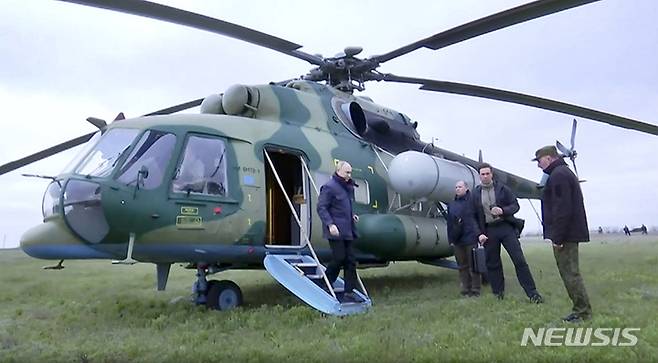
x=563 y=149
x=575 y=169
x=573 y=134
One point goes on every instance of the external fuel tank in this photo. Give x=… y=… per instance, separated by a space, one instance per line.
x=417 y=175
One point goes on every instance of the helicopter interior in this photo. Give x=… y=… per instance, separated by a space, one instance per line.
x=281 y=227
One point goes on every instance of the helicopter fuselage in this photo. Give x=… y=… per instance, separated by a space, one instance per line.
x=131 y=181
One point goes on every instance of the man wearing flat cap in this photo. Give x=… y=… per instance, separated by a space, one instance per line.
x=565 y=225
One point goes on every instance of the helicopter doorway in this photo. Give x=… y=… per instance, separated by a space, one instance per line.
x=281 y=227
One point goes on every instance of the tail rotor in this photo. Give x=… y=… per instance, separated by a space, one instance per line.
x=570 y=152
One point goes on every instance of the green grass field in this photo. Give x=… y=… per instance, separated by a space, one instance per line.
x=93 y=311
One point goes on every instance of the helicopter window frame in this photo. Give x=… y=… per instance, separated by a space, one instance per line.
x=156 y=157
x=51 y=203
x=83 y=211
x=192 y=180
x=90 y=144
x=362 y=193
x=360 y=197
x=116 y=142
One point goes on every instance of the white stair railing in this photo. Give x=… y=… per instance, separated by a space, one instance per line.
x=301 y=227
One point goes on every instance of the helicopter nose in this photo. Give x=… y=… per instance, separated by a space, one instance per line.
x=53 y=240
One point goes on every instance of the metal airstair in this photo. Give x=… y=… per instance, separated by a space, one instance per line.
x=299 y=270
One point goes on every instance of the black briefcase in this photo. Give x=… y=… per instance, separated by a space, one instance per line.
x=479 y=259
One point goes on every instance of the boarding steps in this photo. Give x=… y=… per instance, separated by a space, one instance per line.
x=304 y=277
x=299 y=270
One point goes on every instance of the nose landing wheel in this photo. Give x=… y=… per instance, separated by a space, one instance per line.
x=223 y=295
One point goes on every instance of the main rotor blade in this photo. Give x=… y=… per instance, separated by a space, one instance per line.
x=45 y=153
x=177 y=108
x=523 y=99
x=177 y=16
x=84 y=138
x=485 y=25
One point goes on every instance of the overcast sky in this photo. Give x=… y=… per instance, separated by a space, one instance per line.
x=60 y=63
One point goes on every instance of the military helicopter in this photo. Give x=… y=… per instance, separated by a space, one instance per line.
x=133 y=194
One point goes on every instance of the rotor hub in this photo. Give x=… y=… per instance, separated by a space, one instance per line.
x=345 y=71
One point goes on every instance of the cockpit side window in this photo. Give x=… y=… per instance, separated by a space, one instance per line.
x=202 y=170
x=150 y=158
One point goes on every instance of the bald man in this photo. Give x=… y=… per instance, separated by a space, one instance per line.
x=462 y=235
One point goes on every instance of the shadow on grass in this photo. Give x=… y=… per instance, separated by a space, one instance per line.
x=265 y=293
x=406 y=283
x=275 y=294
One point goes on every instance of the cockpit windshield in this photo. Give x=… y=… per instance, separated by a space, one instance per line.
x=82 y=153
x=103 y=157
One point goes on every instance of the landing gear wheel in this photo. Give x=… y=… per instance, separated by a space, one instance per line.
x=223 y=295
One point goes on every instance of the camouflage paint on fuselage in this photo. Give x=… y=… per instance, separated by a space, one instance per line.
x=230 y=229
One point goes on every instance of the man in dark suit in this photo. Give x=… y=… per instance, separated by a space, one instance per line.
x=495 y=205
x=565 y=225
x=462 y=235
x=339 y=225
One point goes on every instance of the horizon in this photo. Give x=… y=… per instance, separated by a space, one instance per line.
x=65 y=62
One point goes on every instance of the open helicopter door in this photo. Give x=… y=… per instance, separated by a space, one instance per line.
x=298 y=268
x=281 y=228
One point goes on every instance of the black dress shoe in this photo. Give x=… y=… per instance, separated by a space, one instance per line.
x=536 y=299
x=573 y=318
x=474 y=294
x=351 y=297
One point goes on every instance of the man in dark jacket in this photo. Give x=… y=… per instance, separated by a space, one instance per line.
x=565 y=225
x=462 y=235
x=495 y=205
x=339 y=225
